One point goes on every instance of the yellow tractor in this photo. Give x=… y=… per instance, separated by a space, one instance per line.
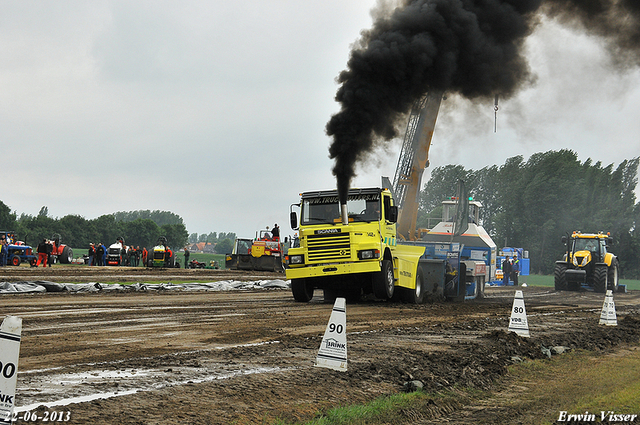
x=587 y=262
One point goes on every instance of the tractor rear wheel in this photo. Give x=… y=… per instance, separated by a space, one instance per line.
x=613 y=276
x=302 y=290
x=600 y=279
x=559 y=277
x=67 y=255
x=383 y=283
x=15 y=260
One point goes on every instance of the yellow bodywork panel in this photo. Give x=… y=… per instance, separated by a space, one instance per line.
x=405 y=264
x=258 y=249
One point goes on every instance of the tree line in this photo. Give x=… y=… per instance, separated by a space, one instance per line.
x=138 y=228
x=532 y=204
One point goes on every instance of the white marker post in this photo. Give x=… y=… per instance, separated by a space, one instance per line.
x=10 y=331
x=518 y=322
x=333 y=349
x=608 y=314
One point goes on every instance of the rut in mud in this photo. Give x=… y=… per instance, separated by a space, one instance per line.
x=247 y=357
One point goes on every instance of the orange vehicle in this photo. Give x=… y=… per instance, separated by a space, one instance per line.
x=262 y=253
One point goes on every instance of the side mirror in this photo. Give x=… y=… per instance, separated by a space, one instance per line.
x=293 y=217
x=393 y=213
x=564 y=240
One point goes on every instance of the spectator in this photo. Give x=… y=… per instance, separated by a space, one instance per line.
x=186 y=257
x=506 y=271
x=91 y=254
x=4 y=253
x=42 y=253
x=104 y=254
x=515 y=268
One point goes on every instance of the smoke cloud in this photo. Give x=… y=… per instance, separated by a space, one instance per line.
x=469 y=47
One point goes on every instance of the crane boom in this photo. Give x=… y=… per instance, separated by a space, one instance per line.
x=414 y=158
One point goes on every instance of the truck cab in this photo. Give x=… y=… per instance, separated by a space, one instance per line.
x=349 y=256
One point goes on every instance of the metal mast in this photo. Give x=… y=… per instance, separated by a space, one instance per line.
x=414 y=158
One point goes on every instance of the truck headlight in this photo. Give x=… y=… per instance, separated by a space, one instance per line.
x=296 y=259
x=369 y=254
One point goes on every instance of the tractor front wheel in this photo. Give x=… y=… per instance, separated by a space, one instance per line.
x=600 y=279
x=559 y=277
x=15 y=260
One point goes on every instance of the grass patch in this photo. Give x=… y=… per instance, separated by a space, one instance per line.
x=544 y=280
x=397 y=409
x=579 y=382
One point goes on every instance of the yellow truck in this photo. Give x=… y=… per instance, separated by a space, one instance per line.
x=351 y=250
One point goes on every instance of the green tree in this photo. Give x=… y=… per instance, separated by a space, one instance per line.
x=7 y=218
x=225 y=246
x=176 y=235
x=140 y=232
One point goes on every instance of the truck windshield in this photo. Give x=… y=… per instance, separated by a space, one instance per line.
x=327 y=210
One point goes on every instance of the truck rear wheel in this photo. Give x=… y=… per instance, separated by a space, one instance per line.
x=416 y=295
x=559 y=277
x=600 y=279
x=302 y=290
x=383 y=284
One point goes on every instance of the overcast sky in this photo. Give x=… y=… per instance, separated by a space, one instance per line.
x=216 y=110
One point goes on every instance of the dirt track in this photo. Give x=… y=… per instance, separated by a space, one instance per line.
x=247 y=357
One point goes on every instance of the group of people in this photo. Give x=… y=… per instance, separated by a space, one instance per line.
x=130 y=256
x=97 y=254
x=510 y=268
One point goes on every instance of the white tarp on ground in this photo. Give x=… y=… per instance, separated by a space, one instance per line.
x=225 y=285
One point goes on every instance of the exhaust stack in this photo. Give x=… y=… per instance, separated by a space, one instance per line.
x=345 y=214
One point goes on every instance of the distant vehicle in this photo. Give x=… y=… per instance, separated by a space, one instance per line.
x=17 y=251
x=61 y=252
x=262 y=253
x=117 y=253
x=195 y=264
x=587 y=262
x=161 y=255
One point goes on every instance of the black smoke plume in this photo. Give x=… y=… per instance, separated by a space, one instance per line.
x=470 y=47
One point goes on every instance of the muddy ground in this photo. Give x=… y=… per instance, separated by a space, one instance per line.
x=248 y=357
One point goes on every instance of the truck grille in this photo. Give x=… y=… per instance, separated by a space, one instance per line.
x=328 y=247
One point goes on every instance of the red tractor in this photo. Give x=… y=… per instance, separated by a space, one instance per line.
x=61 y=252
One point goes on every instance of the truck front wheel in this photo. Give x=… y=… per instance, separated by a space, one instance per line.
x=383 y=284
x=302 y=290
